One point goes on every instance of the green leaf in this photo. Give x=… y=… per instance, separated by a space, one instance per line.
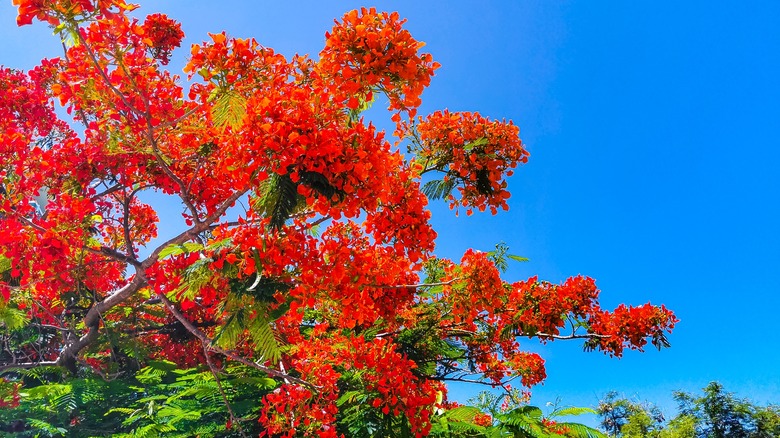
x=12 y=318
x=183 y=248
x=438 y=189
x=528 y=411
x=260 y=382
x=462 y=413
x=150 y=375
x=577 y=430
x=46 y=427
x=196 y=275
x=572 y=411
x=517 y=258
x=476 y=143
x=349 y=397
x=263 y=335
x=277 y=198
x=59 y=28
x=126 y=411
x=162 y=365
x=5 y=264
x=229 y=110
x=228 y=336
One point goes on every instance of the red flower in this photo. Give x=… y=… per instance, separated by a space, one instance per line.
x=162 y=35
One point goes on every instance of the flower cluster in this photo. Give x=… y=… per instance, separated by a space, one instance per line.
x=289 y=408
x=398 y=390
x=529 y=366
x=483 y=420
x=542 y=307
x=554 y=428
x=370 y=50
x=629 y=327
x=384 y=373
x=481 y=290
x=292 y=127
x=472 y=151
x=162 y=35
x=53 y=11
x=483 y=311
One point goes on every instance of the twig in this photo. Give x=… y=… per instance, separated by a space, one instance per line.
x=104 y=76
x=27 y=365
x=461 y=379
x=407 y=286
x=233 y=418
x=107 y=191
x=176 y=121
x=126 y=225
x=114 y=254
x=103 y=375
x=572 y=336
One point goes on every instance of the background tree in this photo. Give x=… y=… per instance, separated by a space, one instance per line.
x=305 y=257
x=714 y=414
x=623 y=417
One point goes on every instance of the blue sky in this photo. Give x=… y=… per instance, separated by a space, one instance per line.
x=653 y=132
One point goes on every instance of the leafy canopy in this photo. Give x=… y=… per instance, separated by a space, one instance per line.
x=323 y=278
x=714 y=414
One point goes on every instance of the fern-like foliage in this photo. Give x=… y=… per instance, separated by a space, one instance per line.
x=278 y=196
x=5 y=263
x=278 y=199
x=159 y=400
x=12 y=318
x=229 y=110
x=439 y=188
x=253 y=318
x=320 y=184
x=519 y=421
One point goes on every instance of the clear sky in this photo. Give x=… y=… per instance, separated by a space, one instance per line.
x=653 y=132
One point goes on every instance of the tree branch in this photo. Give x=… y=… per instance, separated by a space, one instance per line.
x=207 y=341
x=561 y=337
x=26 y=366
x=126 y=225
x=214 y=373
x=414 y=286
x=104 y=76
x=461 y=379
x=107 y=191
x=91 y=320
x=114 y=254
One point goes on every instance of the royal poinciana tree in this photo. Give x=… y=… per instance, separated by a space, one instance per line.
x=307 y=254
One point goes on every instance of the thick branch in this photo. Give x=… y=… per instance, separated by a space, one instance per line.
x=67 y=357
x=207 y=341
x=25 y=366
x=92 y=320
x=194 y=231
